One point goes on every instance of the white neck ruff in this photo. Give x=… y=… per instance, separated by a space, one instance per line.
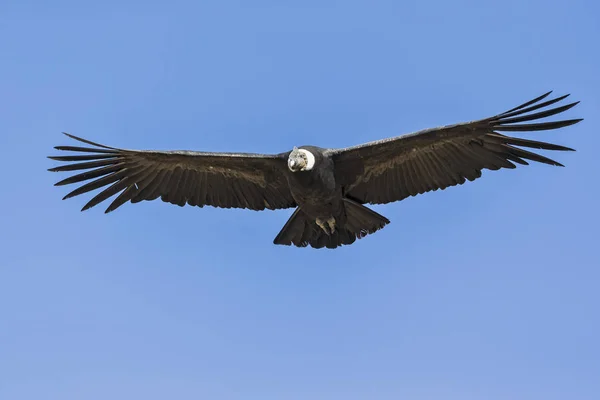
x=310 y=159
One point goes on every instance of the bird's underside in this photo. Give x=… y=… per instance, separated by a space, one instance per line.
x=378 y=172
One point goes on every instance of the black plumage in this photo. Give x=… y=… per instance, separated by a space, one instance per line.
x=328 y=187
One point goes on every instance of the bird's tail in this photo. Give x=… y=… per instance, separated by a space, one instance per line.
x=301 y=230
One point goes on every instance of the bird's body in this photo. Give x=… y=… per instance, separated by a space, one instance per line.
x=327 y=187
x=315 y=190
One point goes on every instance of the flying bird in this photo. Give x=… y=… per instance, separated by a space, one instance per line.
x=327 y=187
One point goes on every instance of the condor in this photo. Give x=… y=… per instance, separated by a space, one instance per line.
x=327 y=187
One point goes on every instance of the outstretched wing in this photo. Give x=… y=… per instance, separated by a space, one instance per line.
x=392 y=169
x=228 y=180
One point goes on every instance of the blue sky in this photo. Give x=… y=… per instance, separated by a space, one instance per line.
x=484 y=291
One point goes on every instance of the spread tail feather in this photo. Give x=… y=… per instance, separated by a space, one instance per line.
x=300 y=230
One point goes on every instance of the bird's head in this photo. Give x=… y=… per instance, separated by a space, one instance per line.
x=300 y=160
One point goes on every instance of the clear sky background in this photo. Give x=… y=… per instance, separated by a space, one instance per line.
x=484 y=291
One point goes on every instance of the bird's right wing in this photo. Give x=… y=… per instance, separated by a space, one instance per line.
x=227 y=180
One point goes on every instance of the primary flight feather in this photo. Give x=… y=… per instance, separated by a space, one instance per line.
x=328 y=187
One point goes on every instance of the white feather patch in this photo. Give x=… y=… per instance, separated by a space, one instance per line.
x=310 y=159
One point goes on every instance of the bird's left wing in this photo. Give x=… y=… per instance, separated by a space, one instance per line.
x=227 y=180
x=392 y=169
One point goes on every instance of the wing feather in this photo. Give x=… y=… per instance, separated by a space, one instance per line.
x=226 y=180
x=392 y=169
